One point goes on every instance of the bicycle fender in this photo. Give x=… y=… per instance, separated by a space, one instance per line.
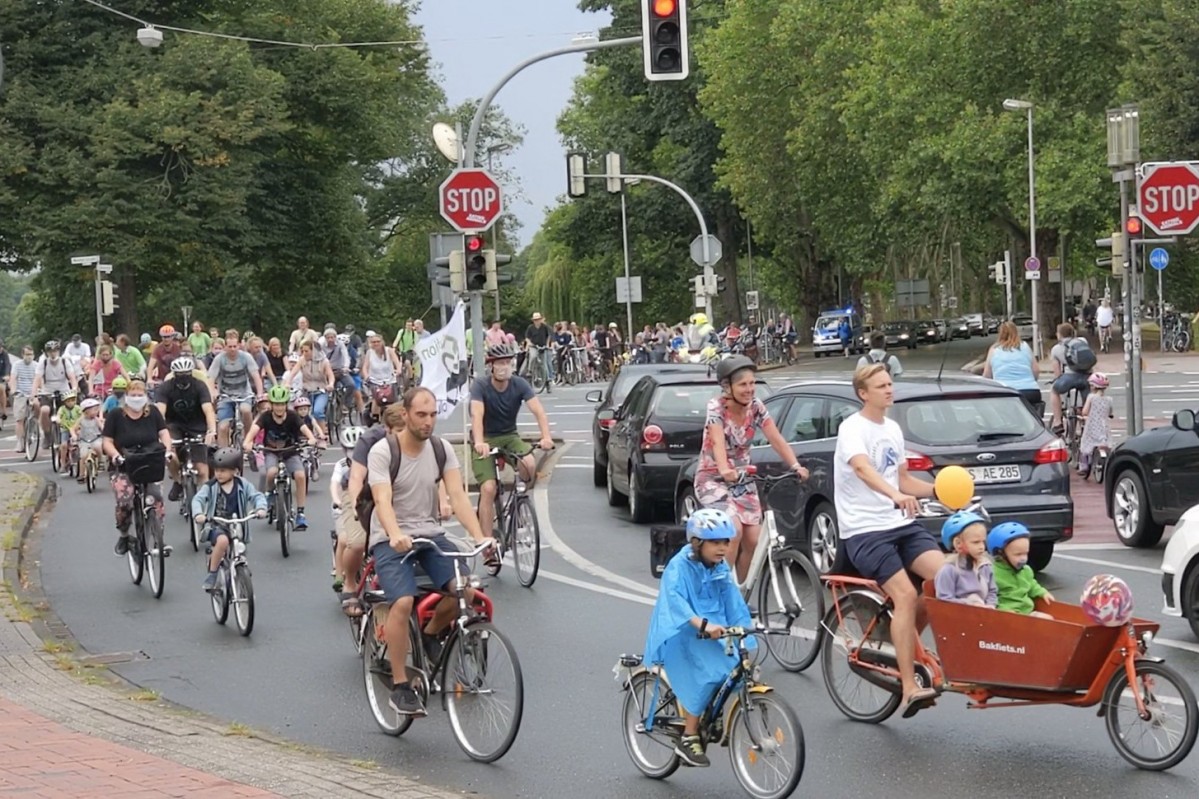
x=780 y=554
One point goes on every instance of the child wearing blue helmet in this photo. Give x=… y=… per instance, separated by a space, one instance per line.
x=1018 y=586
x=967 y=575
x=698 y=598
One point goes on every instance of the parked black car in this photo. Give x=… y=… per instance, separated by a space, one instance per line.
x=613 y=396
x=659 y=427
x=1151 y=479
x=1020 y=469
x=959 y=328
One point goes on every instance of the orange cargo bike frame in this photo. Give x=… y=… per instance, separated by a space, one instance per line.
x=987 y=655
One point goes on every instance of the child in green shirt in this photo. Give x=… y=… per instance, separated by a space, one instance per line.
x=68 y=418
x=1018 y=587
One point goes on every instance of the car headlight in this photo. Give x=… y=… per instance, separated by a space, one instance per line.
x=902 y=336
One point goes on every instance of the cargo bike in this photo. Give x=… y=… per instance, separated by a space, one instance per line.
x=1001 y=659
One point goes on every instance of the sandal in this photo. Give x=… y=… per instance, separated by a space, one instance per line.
x=351 y=605
x=922 y=698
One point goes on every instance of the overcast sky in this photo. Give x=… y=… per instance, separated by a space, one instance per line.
x=474 y=42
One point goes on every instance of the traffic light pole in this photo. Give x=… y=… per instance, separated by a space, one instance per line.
x=699 y=216
x=1132 y=319
x=472 y=138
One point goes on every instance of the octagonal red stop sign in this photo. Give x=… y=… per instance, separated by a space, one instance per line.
x=471 y=199
x=1168 y=197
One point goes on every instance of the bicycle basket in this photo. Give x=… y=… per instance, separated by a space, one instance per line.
x=665 y=540
x=145 y=467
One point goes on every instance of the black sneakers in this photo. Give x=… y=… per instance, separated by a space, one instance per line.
x=176 y=492
x=403 y=700
x=122 y=546
x=691 y=750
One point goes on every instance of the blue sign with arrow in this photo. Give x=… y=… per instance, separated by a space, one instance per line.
x=1159 y=258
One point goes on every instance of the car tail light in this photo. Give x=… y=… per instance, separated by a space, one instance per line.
x=607 y=424
x=1067 y=533
x=651 y=437
x=1053 y=452
x=918 y=462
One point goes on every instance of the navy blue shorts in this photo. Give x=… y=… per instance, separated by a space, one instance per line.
x=880 y=556
x=397 y=577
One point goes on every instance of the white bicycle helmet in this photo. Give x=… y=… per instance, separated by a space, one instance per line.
x=349 y=437
x=343 y=338
x=90 y=402
x=183 y=364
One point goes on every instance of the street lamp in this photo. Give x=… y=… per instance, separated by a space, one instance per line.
x=502 y=147
x=1024 y=105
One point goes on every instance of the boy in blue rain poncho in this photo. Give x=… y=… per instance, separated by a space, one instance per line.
x=698 y=593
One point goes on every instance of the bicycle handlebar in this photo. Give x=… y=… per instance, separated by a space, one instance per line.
x=424 y=543
x=931 y=507
x=222 y=520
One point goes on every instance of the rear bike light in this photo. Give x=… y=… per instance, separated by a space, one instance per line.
x=1053 y=452
x=918 y=462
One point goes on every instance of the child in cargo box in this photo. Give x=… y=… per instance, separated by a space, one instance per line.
x=968 y=574
x=1018 y=587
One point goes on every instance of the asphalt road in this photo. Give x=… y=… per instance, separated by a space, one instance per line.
x=298 y=674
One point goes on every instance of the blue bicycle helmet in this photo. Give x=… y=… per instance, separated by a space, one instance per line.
x=709 y=524
x=956 y=524
x=1003 y=534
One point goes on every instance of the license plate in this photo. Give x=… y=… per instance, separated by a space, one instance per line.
x=995 y=474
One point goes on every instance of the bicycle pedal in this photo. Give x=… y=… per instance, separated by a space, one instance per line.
x=167 y=550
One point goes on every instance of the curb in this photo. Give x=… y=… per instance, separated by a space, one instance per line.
x=25 y=585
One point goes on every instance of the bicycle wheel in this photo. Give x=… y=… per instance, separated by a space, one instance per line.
x=766 y=746
x=791 y=602
x=1168 y=733
x=283 y=519
x=137 y=563
x=243 y=599
x=500 y=525
x=189 y=493
x=156 y=553
x=537 y=378
x=376 y=675
x=90 y=475
x=525 y=535
x=33 y=438
x=219 y=596
x=1070 y=434
x=652 y=751
x=484 y=691
x=1182 y=341
x=55 y=464
x=854 y=694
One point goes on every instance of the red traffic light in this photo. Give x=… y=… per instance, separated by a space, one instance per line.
x=474 y=243
x=665 y=8
x=1133 y=226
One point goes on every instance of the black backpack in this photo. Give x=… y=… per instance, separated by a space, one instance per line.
x=364 y=506
x=1079 y=355
x=886 y=361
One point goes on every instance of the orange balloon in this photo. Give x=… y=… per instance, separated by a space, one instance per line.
x=954 y=487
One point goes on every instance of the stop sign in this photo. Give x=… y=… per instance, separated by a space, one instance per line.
x=1168 y=197
x=471 y=199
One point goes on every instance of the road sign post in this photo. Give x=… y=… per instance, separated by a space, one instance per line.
x=1159 y=259
x=471 y=200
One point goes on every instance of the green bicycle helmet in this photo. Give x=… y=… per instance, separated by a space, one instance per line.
x=278 y=393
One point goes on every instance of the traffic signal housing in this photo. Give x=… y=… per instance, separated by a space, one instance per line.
x=108 y=298
x=1134 y=227
x=476 y=262
x=664 y=39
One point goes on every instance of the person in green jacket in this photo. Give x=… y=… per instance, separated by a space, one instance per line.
x=201 y=342
x=1018 y=587
x=130 y=356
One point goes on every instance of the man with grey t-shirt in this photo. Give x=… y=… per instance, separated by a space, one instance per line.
x=408 y=508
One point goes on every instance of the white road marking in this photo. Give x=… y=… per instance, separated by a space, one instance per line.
x=574 y=465
x=1189 y=646
x=1090 y=547
x=599 y=589
x=541 y=503
x=1111 y=564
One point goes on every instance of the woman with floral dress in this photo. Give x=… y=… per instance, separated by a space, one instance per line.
x=732 y=418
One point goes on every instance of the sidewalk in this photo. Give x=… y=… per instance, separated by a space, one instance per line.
x=70 y=729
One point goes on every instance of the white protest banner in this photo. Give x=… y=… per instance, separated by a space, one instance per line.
x=443 y=364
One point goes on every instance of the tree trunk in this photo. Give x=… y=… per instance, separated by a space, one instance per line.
x=728 y=231
x=126 y=315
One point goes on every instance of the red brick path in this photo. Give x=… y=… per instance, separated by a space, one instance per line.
x=40 y=759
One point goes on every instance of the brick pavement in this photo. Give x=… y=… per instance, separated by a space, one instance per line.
x=70 y=731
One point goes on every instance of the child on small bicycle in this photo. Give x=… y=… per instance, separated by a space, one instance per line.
x=968 y=574
x=1096 y=433
x=68 y=419
x=230 y=497
x=116 y=399
x=698 y=599
x=86 y=435
x=1018 y=587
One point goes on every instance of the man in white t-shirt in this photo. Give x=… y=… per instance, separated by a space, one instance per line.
x=876 y=499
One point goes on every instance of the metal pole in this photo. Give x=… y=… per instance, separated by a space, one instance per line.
x=1007 y=280
x=628 y=282
x=1130 y=404
x=1061 y=244
x=468 y=158
x=1138 y=294
x=99 y=306
x=1161 y=315
x=749 y=242
x=1032 y=238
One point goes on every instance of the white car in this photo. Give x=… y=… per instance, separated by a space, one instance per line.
x=1180 y=570
x=1023 y=326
